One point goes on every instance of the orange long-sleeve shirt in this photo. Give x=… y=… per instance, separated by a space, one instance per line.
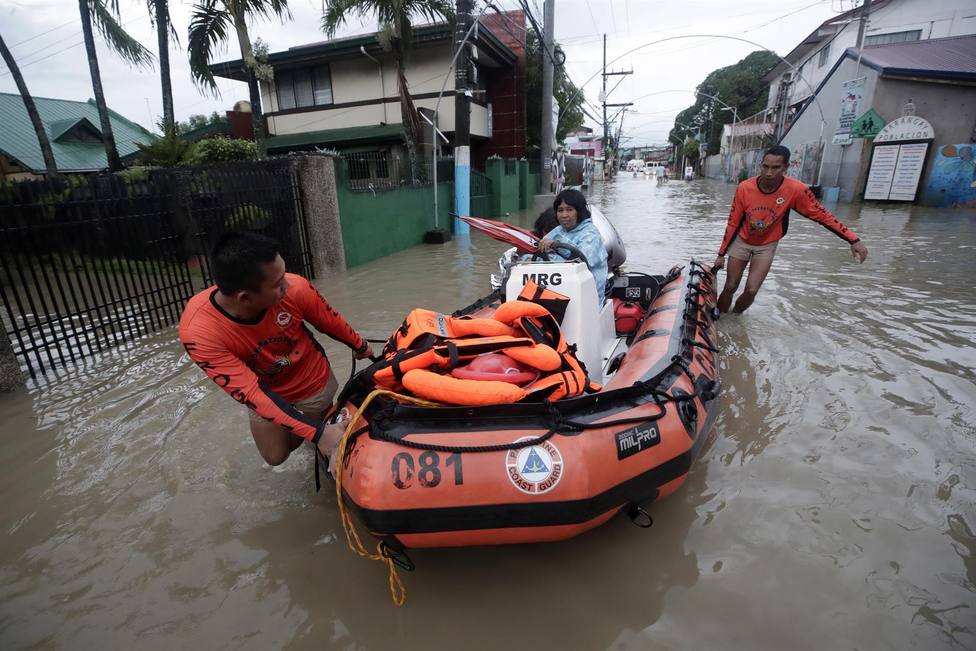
x=761 y=218
x=273 y=361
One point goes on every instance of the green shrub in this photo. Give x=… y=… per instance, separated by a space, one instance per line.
x=169 y=151
x=222 y=149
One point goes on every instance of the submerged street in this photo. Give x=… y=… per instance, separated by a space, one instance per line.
x=832 y=506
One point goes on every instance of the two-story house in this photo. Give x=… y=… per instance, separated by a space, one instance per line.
x=889 y=21
x=342 y=94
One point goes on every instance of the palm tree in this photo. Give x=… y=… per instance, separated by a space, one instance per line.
x=210 y=24
x=159 y=10
x=35 y=117
x=394 y=18
x=103 y=13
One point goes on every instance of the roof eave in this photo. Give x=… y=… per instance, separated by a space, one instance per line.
x=350 y=47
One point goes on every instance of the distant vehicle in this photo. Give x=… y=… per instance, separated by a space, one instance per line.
x=635 y=165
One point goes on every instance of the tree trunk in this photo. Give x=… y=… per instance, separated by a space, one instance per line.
x=35 y=117
x=254 y=90
x=411 y=123
x=162 y=37
x=108 y=137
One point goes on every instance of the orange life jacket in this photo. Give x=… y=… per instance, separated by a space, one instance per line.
x=526 y=331
x=420 y=323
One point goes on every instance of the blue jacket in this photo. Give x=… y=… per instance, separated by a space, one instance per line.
x=586 y=238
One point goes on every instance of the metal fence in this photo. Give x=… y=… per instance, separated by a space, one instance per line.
x=89 y=262
x=383 y=170
x=481 y=195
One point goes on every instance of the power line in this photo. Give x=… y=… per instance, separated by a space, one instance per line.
x=53 y=29
x=796 y=11
x=56 y=52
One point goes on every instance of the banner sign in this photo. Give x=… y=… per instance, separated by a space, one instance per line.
x=852 y=92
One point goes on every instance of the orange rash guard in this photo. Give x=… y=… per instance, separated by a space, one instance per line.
x=268 y=363
x=759 y=218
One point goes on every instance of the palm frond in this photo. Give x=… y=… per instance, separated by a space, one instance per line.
x=104 y=13
x=151 y=5
x=209 y=26
x=266 y=8
x=336 y=12
x=429 y=10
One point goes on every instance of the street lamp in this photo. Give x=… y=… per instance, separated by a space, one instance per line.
x=735 y=118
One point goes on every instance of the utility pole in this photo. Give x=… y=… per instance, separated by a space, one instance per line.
x=861 y=28
x=548 y=128
x=462 y=121
x=608 y=164
x=603 y=98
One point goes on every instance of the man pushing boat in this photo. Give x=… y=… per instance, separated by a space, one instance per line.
x=249 y=335
x=759 y=219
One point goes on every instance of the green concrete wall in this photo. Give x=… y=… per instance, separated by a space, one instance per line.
x=504 y=186
x=375 y=225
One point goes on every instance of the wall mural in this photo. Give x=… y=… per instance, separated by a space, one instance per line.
x=952 y=181
x=805 y=161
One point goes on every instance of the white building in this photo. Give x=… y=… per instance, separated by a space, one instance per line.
x=928 y=85
x=890 y=21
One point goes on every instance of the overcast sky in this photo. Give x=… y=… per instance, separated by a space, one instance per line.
x=45 y=38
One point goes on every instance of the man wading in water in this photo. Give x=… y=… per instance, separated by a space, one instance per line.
x=248 y=334
x=758 y=221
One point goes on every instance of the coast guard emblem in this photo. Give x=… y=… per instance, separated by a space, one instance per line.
x=535 y=469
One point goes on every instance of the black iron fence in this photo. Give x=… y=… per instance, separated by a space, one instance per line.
x=384 y=170
x=89 y=262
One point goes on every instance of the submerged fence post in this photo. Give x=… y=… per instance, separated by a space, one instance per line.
x=11 y=376
x=320 y=203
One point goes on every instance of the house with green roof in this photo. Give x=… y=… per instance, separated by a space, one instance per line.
x=73 y=129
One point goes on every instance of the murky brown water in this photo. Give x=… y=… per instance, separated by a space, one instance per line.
x=832 y=509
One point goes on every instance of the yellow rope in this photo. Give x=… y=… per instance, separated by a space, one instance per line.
x=397 y=590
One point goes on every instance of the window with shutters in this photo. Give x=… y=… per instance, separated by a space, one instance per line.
x=303 y=87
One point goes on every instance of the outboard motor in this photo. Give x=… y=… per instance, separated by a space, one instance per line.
x=616 y=252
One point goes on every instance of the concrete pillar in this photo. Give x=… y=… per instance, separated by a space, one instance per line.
x=11 y=377
x=320 y=203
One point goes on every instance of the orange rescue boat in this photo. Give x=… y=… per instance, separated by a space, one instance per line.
x=553 y=454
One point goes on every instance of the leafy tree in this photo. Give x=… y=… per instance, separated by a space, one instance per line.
x=396 y=34
x=159 y=14
x=210 y=25
x=562 y=90
x=104 y=15
x=198 y=120
x=739 y=85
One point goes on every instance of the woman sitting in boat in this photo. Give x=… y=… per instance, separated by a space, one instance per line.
x=576 y=228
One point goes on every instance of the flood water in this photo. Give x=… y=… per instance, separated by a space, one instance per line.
x=832 y=507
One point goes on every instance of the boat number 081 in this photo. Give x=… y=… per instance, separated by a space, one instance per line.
x=426 y=469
